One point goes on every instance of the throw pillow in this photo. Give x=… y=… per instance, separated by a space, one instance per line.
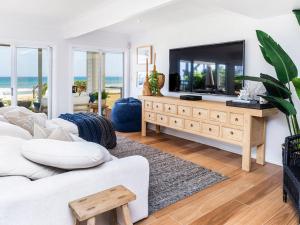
x=12 y=163
x=56 y=133
x=65 y=155
x=25 y=119
x=7 y=129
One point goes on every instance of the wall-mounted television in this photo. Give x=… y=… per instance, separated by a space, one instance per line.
x=207 y=68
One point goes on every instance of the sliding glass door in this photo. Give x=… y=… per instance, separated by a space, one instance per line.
x=25 y=74
x=114 y=76
x=86 y=81
x=33 y=78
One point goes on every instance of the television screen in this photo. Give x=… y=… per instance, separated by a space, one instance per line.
x=207 y=69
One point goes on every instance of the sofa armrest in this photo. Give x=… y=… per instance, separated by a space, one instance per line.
x=45 y=201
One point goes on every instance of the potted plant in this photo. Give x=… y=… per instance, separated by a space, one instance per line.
x=94 y=97
x=279 y=90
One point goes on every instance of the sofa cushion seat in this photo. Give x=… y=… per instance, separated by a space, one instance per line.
x=10 y=182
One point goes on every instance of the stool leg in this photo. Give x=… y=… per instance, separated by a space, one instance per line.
x=91 y=221
x=76 y=222
x=114 y=220
x=126 y=214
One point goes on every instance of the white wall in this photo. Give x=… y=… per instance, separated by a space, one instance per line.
x=215 y=28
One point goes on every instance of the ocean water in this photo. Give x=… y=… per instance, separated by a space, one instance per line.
x=30 y=82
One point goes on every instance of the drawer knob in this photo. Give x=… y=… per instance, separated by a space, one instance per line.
x=147 y=104
x=236 y=119
x=231 y=132
x=161 y=118
x=175 y=121
x=209 y=129
x=149 y=116
x=169 y=108
x=156 y=106
x=218 y=116
x=192 y=125
x=199 y=113
x=183 y=110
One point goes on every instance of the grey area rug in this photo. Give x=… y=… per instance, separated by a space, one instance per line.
x=171 y=178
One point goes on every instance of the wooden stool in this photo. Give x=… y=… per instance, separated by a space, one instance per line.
x=89 y=207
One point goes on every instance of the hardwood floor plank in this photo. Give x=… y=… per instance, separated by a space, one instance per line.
x=283 y=216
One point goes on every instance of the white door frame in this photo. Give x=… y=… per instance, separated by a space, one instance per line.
x=14 y=71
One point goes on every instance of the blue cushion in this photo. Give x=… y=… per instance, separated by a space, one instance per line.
x=126 y=115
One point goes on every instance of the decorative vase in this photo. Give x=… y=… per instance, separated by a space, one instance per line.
x=161 y=82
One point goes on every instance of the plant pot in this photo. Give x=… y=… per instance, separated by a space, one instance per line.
x=103 y=102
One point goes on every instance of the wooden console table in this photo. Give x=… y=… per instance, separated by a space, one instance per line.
x=239 y=126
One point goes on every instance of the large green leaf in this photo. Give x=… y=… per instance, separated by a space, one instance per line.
x=297 y=14
x=273 y=86
x=296 y=83
x=285 y=68
x=283 y=105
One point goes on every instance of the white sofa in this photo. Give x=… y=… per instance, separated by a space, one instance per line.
x=45 y=201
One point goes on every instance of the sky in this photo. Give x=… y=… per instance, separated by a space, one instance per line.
x=27 y=62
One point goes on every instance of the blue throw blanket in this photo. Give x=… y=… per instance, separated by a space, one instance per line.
x=93 y=128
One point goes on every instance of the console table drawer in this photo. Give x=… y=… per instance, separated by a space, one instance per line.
x=237 y=119
x=192 y=125
x=200 y=113
x=218 y=116
x=169 y=108
x=161 y=119
x=148 y=105
x=158 y=107
x=149 y=116
x=232 y=134
x=210 y=129
x=184 y=110
x=176 y=122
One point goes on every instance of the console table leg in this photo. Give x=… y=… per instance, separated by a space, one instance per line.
x=91 y=221
x=246 y=158
x=157 y=129
x=260 y=152
x=144 y=128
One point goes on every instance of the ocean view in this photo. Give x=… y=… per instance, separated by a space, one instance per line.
x=29 y=82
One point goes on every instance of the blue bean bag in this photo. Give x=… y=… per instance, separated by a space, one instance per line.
x=126 y=115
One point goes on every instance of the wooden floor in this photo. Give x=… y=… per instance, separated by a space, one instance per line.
x=245 y=198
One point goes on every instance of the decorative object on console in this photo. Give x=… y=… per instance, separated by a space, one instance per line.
x=126 y=115
x=146 y=87
x=157 y=80
x=250 y=105
x=144 y=53
x=191 y=97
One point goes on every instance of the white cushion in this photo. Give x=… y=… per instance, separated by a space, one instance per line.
x=65 y=155
x=12 y=163
x=2 y=119
x=25 y=118
x=7 y=129
x=7 y=109
x=66 y=125
x=56 y=133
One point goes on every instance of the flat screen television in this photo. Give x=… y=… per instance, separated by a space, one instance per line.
x=207 y=69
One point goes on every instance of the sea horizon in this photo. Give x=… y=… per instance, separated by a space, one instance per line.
x=28 y=82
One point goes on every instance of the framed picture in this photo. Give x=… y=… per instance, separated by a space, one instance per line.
x=143 y=53
x=140 y=78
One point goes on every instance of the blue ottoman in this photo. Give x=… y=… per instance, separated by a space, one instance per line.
x=126 y=115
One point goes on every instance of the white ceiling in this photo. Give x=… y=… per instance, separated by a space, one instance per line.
x=182 y=10
x=77 y=17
